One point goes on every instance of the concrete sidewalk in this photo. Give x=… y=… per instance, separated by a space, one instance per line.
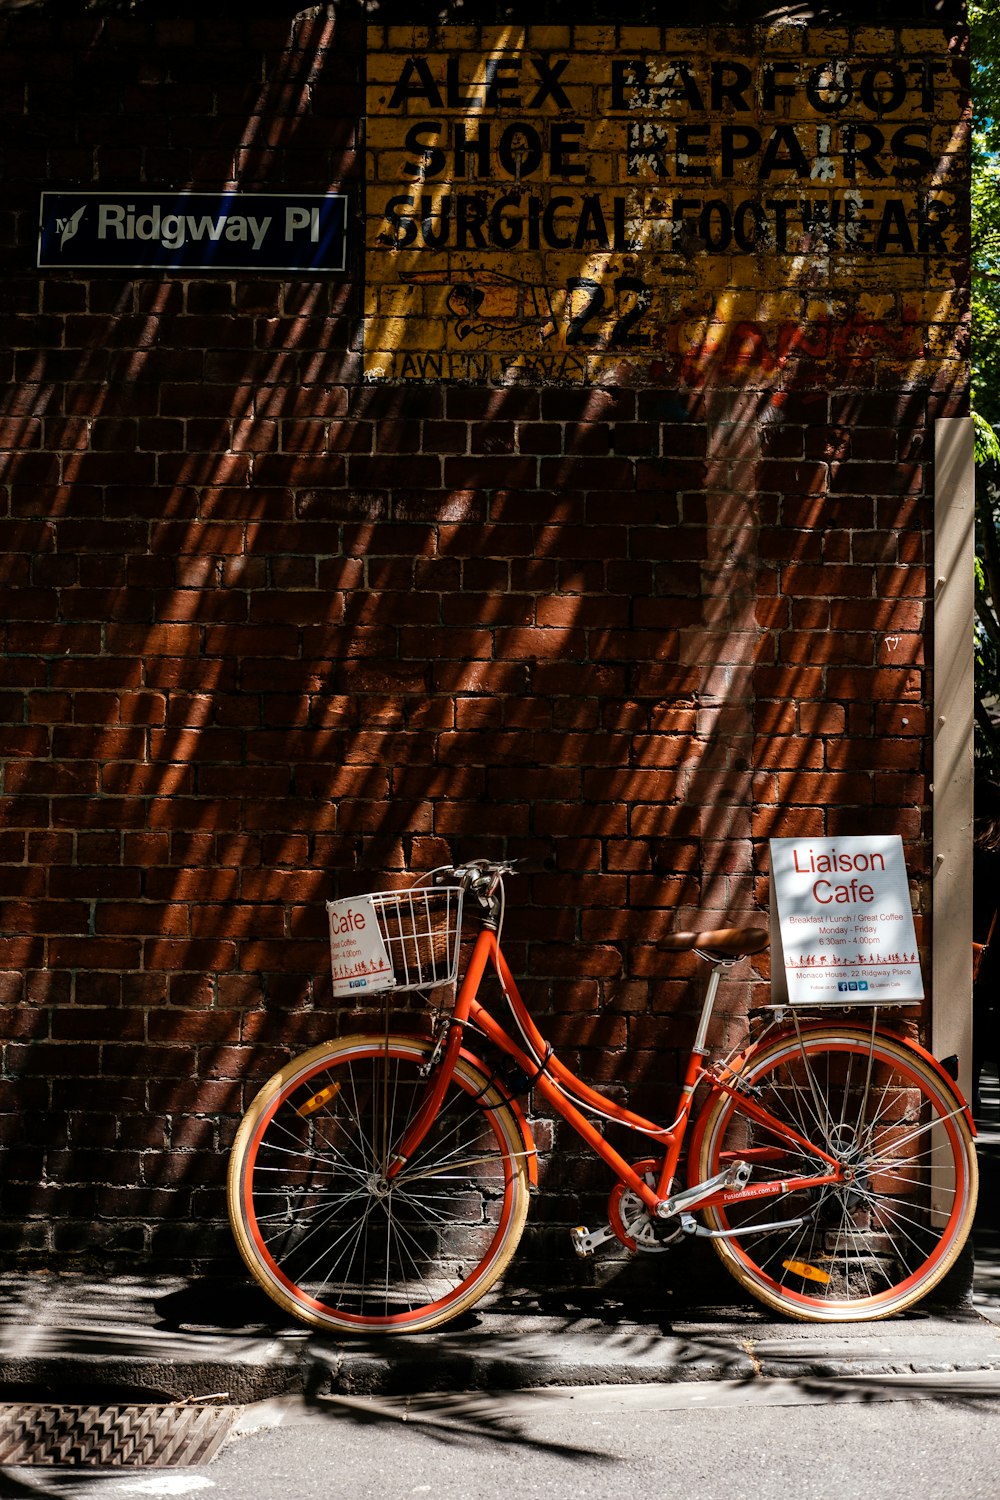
x=65 y=1337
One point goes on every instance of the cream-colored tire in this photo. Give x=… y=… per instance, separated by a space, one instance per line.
x=328 y=1236
x=867 y=1248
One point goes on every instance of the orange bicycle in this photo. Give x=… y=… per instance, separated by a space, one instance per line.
x=380 y=1182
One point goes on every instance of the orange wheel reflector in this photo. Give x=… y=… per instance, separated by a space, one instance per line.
x=806 y=1271
x=318 y=1100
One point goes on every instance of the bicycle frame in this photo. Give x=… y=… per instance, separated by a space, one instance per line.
x=556 y=1083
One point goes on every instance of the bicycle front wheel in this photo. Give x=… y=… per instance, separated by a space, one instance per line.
x=333 y=1240
x=876 y=1243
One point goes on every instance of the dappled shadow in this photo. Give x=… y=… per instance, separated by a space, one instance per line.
x=178 y=1330
x=80 y=1341
x=278 y=636
x=459 y=1421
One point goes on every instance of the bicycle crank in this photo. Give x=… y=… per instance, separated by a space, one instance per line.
x=585 y=1241
x=629 y=1220
x=632 y=1221
x=736 y=1175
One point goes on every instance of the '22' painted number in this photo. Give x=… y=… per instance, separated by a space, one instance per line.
x=586 y=296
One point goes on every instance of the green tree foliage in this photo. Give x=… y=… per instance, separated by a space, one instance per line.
x=984 y=20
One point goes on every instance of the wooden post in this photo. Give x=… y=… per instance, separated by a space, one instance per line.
x=954 y=552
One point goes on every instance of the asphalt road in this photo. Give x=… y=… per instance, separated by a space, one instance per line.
x=715 y=1441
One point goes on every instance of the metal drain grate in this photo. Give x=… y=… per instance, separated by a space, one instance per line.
x=157 y=1437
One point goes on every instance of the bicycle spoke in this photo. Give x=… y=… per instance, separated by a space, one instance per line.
x=342 y=1243
x=892 y=1226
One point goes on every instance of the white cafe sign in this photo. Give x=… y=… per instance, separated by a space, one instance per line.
x=841 y=922
x=358 y=955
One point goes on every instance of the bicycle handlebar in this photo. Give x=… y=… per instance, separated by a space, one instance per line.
x=481 y=876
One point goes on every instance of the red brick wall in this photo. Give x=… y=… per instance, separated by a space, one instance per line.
x=272 y=633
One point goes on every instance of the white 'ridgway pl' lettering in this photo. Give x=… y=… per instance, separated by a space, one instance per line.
x=174 y=230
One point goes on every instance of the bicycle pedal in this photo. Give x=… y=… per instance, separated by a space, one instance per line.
x=585 y=1241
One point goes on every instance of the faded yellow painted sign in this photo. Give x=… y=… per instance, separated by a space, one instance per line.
x=634 y=203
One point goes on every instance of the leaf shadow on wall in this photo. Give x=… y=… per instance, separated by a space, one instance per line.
x=278 y=636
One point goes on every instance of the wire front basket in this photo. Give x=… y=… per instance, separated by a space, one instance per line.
x=421 y=928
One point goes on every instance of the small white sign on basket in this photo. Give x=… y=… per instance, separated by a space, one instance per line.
x=357 y=952
x=841 y=923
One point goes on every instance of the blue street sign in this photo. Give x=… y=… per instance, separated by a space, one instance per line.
x=179 y=231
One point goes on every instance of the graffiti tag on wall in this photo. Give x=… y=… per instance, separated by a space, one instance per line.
x=557 y=203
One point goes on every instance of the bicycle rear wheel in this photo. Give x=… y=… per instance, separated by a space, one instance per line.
x=871 y=1246
x=323 y=1231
